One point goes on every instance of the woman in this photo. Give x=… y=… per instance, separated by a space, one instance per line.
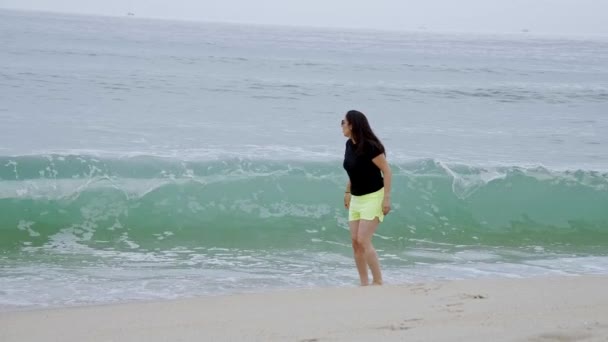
x=368 y=193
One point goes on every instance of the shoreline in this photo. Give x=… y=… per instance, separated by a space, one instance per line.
x=564 y=308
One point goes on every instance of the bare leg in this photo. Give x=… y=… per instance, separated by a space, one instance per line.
x=364 y=238
x=358 y=252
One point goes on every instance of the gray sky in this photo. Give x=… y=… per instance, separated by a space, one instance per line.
x=560 y=17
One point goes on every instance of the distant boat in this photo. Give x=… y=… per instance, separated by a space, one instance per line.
x=130 y=14
x=525 y=30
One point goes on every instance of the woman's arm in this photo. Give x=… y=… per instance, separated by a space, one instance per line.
x=382 y=164
x=347 y=195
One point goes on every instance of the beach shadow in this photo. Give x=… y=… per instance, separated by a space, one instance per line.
x=561 y=337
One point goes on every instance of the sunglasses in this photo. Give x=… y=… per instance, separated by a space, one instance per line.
x=342 y=123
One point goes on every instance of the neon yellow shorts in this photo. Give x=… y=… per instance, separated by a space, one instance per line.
x=366 y=207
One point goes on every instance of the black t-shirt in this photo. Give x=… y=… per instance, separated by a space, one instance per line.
x=365 y=176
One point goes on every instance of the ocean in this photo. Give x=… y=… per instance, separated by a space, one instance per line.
x=144 y=159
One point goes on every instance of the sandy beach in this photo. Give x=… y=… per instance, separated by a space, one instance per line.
x=537 y=309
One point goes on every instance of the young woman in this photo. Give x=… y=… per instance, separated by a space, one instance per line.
x=368 y=191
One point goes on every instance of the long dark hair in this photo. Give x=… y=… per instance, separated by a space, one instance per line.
x=362 y=133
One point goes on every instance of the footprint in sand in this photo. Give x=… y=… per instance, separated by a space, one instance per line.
x=421 y=288
x=470 y=296
x=465 y=296
x=404 y=325
x=454 y=307
x=457 y=307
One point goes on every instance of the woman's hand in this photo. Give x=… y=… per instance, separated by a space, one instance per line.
x=347 y=200
x=386 y=205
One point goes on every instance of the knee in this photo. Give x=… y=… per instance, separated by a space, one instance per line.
x=356 y=246
x=362 y=244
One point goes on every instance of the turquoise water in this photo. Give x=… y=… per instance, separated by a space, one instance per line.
x=147 y=203
x=145 y=159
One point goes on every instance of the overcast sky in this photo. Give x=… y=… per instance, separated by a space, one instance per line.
x=560 y=17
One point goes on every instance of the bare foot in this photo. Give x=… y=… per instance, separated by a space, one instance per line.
x=377 y=282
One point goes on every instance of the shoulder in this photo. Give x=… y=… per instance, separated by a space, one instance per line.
x=373 y=150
